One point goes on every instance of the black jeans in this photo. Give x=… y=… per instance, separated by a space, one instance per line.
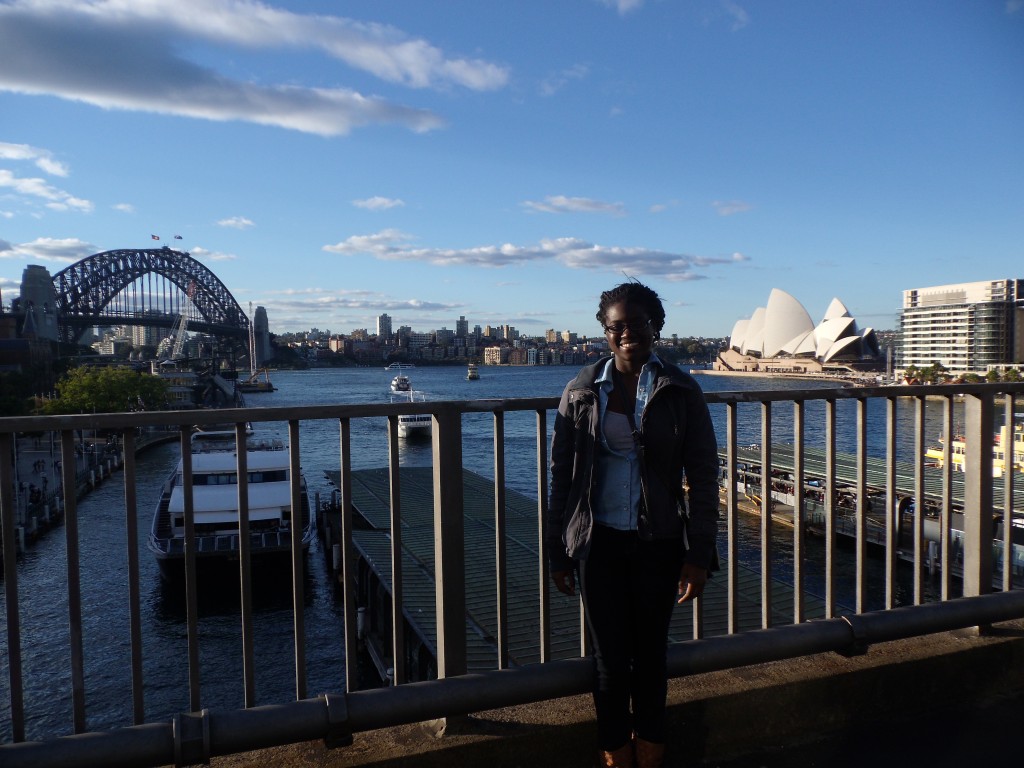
x=629 y=589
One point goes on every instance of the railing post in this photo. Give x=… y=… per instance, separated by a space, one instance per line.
x=449 y=543
x=978 y=524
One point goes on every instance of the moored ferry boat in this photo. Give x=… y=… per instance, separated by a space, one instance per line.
x=413 y=425
x=215 y=504
x=1007 y=450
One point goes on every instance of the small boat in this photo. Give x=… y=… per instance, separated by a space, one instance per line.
x=1003 y=444
x=215 y=505
x=413 y=425
x=254 y=384
x=472 y=372
x=398 y=366
x=401 y=383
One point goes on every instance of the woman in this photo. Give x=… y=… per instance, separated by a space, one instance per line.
x=628 y=428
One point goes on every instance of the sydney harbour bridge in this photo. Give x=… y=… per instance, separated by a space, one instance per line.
x=155 y=288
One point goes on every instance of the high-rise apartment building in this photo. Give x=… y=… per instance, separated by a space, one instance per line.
x=462 y=327
x=965 y=326
x=384 y=328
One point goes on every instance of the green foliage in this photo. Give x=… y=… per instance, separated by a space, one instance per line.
x=107 y=390
x=992 y=377
x=1011 y=374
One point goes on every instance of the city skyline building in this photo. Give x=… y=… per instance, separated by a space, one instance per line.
x=965 y=327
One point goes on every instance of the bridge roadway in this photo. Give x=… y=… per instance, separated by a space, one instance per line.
x=945 y=700
x=875 y=473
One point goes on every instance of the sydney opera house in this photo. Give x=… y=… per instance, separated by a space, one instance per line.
x=781 y=338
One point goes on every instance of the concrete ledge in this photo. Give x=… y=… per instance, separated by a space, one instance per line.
x=718 y=716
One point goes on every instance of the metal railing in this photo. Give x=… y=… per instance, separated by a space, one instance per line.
x=987 y=583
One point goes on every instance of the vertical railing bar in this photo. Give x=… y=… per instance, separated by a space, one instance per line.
x=297 y=530
x=74 y=604
x=946 y=513
x=978 y=483
x=830 y=508
x=348 y=560
x=799 y=607
x=8 y=515
x=892 y=520
x=917 y=525
x=397 y=593
x=732 y=519
x=861 y=484
x=1009 y=472
x=191 y=588
x=245 y=564
x=500 y=564
x=766 y=514
x=542 y=514
x=131 y=528
x=449 y=542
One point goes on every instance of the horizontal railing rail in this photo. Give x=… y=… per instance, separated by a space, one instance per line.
x=841 y=416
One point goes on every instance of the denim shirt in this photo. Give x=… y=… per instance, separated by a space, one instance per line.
x=617 y=490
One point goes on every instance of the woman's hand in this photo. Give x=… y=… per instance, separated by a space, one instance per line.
x=691 y=582
x=565 y=581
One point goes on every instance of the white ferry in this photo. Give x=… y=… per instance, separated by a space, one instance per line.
x=398 y=366
x=1007 y=448
x=215 y=505
x=472 y=372
x=413 y=425
x=401 y=383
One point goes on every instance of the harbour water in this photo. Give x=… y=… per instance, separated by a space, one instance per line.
x=42 y=574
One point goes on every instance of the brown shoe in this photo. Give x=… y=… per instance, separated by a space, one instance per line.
x=617 y=758
x=649 y=754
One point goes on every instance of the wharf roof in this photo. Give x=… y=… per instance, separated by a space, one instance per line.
x=370 y=498
x=875 y=473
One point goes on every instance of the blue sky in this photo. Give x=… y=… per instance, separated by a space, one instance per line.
x=508 y=161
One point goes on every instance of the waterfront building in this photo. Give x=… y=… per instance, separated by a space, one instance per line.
x=383 y=328
x=965 y=327
x=780 y=337
x=462 y=327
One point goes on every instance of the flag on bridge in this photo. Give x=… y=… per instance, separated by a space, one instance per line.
x=155 y=237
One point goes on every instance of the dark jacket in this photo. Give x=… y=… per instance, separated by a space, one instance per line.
x=678 y=438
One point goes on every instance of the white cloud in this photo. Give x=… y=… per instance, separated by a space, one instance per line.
x=730 y=207
x=740 y=17
x=206 y=255
x=563 y=204
x=236 y=222
x=124 y=207
x=42 y=158
x=67 y=250
x=552 y=84
x=55 y=198
x=623 y=6
x=378 y=203
x=393 y=245
x=128 y=55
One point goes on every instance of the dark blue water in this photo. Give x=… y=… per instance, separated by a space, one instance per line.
x=42 y=572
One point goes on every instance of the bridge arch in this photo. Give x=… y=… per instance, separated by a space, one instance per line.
x=88 y=291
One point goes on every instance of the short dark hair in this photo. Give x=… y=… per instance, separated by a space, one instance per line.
x=634 y=292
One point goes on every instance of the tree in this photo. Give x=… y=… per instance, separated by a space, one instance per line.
x=108 y=390
x=1011 y=374
x=993 y=377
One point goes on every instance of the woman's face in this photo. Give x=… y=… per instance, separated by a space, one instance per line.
x=629 y=333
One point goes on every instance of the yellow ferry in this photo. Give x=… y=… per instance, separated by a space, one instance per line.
x=1002 y=443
